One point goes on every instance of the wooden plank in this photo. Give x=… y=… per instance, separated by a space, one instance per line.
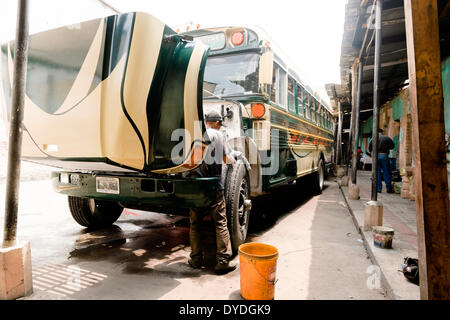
x=427 y=112
x=386 y=64
x=353 y=113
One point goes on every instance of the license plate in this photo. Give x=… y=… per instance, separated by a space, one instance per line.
x=107 y=185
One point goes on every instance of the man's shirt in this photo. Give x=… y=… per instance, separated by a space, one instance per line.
x=384 y=144
x=214 y=155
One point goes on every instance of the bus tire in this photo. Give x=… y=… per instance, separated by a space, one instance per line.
x=238 y=204
x=94 y=214
x=318 y=178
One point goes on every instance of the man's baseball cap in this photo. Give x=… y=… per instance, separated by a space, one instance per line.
x=213 y=116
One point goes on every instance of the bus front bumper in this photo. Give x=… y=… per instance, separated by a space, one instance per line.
x=137 y=190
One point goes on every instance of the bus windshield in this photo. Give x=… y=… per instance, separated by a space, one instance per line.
x=231 y=75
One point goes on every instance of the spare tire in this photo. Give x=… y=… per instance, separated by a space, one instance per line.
x=238 y=203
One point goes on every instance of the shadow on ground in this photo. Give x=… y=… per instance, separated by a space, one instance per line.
x=269 y=209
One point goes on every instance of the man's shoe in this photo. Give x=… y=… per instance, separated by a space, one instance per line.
x=379 y=191
x=390 y=191
x=195 y=264
x=222 y=268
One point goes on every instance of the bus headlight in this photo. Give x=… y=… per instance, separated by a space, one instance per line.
x=64 y=178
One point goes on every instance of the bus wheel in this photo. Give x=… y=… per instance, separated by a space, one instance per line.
x=319 y=178
x=238 y=204
x=94 y=213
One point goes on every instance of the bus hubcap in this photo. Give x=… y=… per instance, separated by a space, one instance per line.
x=245 y=205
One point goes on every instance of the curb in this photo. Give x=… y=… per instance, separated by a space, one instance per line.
x=384 y=282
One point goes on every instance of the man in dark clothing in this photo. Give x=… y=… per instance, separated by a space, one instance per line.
x=384 y=145
x=218 y=152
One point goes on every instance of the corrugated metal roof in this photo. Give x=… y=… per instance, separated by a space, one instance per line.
x=358 y=42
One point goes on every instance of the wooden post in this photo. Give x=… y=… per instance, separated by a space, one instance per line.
x=353 y=114
x=356 y=129
x=427 y=113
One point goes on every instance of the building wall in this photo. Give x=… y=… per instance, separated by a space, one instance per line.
x=395 y=120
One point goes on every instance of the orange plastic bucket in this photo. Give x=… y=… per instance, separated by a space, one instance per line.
x=258 y=264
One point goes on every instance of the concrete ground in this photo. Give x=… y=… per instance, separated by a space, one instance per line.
x=144 y=255
x=399 y=214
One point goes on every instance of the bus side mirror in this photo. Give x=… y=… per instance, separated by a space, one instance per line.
x=266 y=67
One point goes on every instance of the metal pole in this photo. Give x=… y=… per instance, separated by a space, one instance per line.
x=335 y=144
x=339 y=139
x=376 y=98
x=358 y=107
x=15 y=133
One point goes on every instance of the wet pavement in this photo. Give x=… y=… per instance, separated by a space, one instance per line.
x=144 y=255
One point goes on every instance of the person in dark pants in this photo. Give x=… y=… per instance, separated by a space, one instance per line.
x=217 y=153
x=385 y=144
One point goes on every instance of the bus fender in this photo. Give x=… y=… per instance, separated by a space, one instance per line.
x=249 y=150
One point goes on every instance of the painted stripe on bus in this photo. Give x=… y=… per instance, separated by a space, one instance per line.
x=299 y=132
x=299 y=119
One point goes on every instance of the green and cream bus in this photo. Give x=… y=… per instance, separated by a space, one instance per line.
x=104 y=98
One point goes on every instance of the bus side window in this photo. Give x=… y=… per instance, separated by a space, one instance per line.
x=273 y=90
x=301 y=110
x=329 y=121
x=307 y=105
x=317 y=113
x=322 y=118
x=291 y=96
x=282 y=90
x=313 y=110
x=320 y=113
x=279 y=90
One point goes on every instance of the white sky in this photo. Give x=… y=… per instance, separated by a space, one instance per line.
x=308 y=31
